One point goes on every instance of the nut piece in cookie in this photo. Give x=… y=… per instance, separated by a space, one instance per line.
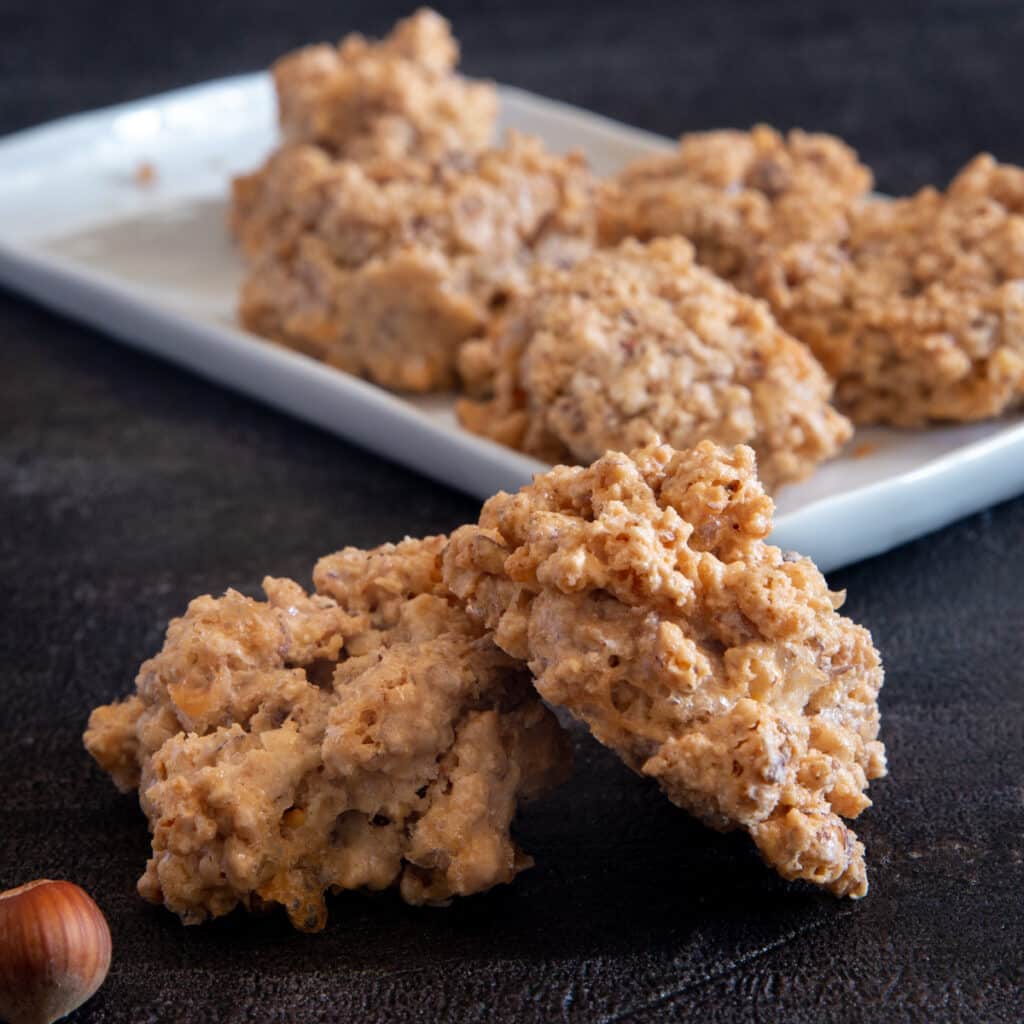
x=394 y=98
x=367 y=737
x=642 y=595
x=639 y=342
x=384 y=268
x=729 y=192
x=918 y=309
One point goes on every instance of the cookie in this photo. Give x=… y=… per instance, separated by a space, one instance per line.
x=644 y=598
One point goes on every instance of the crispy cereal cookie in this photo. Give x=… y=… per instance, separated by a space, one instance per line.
x=383 y=269
x=918 y=310
x=729 y=192
x=366 y=738
x=394 y=98
x=642 y=595
x=639 y=342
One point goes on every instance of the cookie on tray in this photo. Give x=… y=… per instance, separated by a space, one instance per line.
x=642 y=595
x=367 y=736
x=384 y=268
x=730 y=192
x=394 y=98
x=639 y=342
x=917 y=310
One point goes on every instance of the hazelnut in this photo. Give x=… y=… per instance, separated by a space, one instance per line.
x=54 y=951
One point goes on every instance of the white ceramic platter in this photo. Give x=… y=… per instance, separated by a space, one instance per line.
x=150 y=264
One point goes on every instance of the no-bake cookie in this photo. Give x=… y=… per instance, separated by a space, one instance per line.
x=644 y=598
x=394 y=98
x=917 y=310
x=365 y=736
x=384 y=268
x=639 y=342
x=730 y=192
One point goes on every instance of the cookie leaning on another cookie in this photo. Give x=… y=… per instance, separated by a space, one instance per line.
x=643 y=596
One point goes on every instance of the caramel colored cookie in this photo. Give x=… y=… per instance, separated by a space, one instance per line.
x=394 y=98
x=384 y=268
x=917 y=310
x=644 y=598
x=730 y=192
x=288 y=747
x=636 y=343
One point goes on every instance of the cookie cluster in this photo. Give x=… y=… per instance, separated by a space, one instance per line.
x=382 y=730
x=746 y=288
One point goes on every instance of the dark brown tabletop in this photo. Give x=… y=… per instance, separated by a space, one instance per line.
x=127 y=487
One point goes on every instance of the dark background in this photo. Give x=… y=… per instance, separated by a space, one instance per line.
x=127 y=487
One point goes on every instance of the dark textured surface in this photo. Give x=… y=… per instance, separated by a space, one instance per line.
x=127 y=487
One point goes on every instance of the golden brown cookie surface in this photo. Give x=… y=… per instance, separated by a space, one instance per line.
x=370 y=738
x=384 y=268
x=642 y=595
x=639 y=342
x=730 y=192
x=918 y=309
x=393 y=98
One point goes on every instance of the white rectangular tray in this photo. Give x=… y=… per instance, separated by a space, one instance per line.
x=151 y=264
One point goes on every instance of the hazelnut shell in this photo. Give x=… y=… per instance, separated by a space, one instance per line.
x=54 y=951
